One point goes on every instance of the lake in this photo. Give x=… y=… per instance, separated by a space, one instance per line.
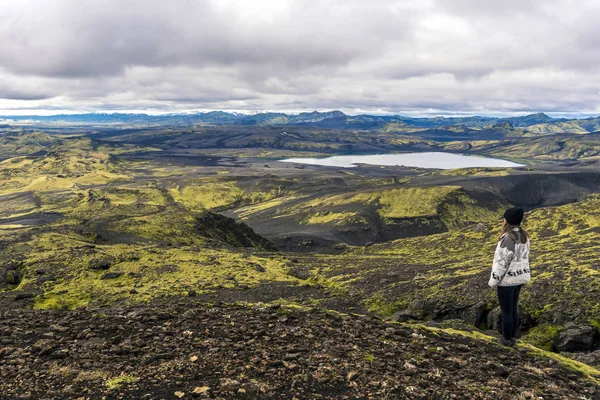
x=438 y=160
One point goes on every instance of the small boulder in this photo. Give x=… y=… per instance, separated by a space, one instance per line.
x=42 y=344
x=494 y=319
x=59 y=328
x=229 y=384
x=111 y=275
x=299 y=273
x=165 y=269
x=576 y=338
x=59 y=354
x=498 y=369
x=46 y=278
x=404 y=316
x=12 y=277
x=101 y=264
x=352 y=375
x=475 y=314
x=480 y=227
x=201 y=391
x=23 y=296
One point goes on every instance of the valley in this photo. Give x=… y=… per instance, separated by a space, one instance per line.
x=144 y=217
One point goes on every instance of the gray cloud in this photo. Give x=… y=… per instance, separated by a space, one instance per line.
x=431 y=56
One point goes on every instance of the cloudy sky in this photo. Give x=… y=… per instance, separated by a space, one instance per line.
x=420 y=57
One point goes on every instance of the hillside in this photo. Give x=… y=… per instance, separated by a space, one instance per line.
x=182 y=349
x=580 y=126
x=121 y=228
x=14 y=143
x=572 y=149
x=444 y=276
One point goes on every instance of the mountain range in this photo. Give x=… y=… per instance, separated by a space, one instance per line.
x=539 y=123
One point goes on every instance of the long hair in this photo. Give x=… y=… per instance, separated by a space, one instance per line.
x=508 y=228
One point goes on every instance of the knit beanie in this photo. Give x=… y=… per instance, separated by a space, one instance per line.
x=514 y=216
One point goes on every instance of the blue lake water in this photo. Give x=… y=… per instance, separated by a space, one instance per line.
x=438 y=160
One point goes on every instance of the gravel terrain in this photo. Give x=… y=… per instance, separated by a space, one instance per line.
x=185 y=349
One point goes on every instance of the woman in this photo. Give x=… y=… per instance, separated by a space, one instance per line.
x=510 y=271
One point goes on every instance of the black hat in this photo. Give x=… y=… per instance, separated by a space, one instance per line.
x=514 y=216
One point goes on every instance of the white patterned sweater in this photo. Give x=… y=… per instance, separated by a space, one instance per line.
x=511 y=261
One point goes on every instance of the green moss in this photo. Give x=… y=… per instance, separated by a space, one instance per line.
x=459 y=209
x=412 y=202
x=120 y=381
x=543 y=336
x=158 y=273
x=471 y=334
x=585 y=370
x=480 y=171
x=247 y=211
x=208 y=195
x=590 y=373
x=335 y=218
x=595 y=323
x=451 y=264
x=377 y=303
x=61 y=300
x=391 y=203
x=69 y=163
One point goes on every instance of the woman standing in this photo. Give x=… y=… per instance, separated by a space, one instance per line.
x=510 y=271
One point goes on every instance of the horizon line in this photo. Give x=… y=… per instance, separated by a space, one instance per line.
x=7 y=114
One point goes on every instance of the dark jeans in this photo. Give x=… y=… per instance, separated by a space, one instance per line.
x=508 y=297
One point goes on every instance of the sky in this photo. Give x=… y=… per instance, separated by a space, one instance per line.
x=425 y=57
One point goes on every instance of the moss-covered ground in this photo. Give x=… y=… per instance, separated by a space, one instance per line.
x=441 y=272
x=90 y=224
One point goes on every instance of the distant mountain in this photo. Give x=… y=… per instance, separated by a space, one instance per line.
x=532 y=119
x=581 y=126
x=539 y=123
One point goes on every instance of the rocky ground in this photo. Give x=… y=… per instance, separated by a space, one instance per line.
x=184 y=349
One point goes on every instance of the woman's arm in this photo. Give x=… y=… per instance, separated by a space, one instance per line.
x=505 y=251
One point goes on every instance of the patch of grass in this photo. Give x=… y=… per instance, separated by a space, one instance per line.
x=85 y=376
x=335 y=218
x=158 y=273
x=379 y=304
x=69 y=163
x=247 y=211
x=390 y=203
x=543 y=336
x=480 y=171
x=208 y=195
x=587 y=371
x=595 y=323
x=471 y=334
x=120 y=381
x=412 y=202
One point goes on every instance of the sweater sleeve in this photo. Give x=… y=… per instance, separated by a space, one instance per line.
x=505 y=251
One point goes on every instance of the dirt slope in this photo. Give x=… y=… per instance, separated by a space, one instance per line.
x=184 y=350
